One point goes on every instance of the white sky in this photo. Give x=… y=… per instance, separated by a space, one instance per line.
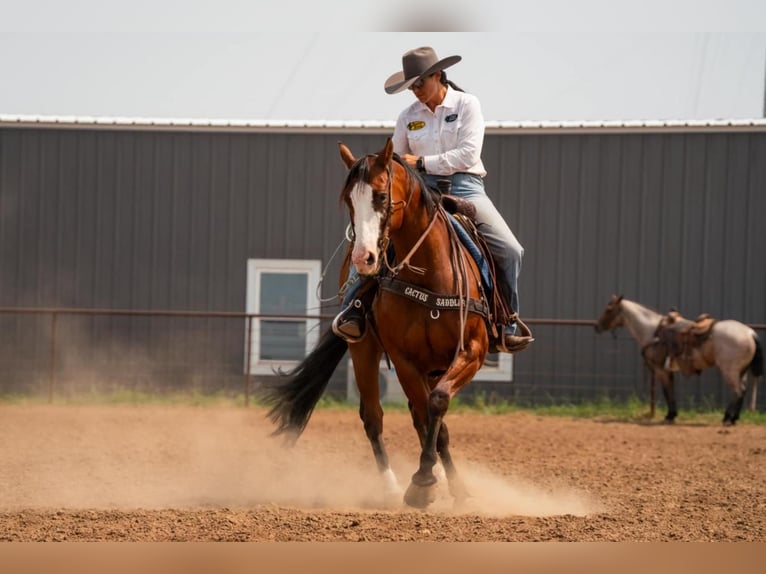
x=327 y=60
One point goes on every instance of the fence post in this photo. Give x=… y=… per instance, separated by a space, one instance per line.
x=52 y=377
x=248 y=376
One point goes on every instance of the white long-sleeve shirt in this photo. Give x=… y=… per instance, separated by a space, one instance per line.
x=449 y=139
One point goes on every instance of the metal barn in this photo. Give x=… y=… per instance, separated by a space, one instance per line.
x=153 y=239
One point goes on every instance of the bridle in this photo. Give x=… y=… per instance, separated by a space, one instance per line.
x=391 y=207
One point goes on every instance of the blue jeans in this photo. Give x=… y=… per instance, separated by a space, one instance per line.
x=506 y=249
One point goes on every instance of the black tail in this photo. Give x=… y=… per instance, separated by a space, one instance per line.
x=756 y=365
x=293 y=395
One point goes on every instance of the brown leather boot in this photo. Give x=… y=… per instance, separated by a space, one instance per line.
x=517 y=343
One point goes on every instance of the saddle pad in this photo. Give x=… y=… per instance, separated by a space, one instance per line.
x=473 y=249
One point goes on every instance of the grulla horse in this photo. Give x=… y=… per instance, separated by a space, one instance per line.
x=731 y=346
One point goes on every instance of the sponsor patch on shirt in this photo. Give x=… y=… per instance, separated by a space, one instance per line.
x=450 y=118
x=416 y=125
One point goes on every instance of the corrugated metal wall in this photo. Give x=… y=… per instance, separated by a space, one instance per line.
x=158 y=220
x=667 y=219
x=134 y=219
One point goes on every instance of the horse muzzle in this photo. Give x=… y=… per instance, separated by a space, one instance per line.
x=366 y=262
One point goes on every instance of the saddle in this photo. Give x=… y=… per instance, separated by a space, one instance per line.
x=463 y=215
x=458 y=206
x=679 y=337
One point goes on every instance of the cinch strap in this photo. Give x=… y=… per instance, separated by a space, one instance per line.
x=430 y=299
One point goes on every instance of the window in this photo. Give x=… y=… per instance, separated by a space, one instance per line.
x=281 y=287
x=497 y=367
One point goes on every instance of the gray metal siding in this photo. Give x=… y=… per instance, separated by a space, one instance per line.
x=158 y=220
x=665 y=219
x=133 y=219
x=669 y=219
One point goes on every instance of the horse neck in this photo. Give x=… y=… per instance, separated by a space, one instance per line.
x=414 y=217
x=641 y=322
x=431 y=247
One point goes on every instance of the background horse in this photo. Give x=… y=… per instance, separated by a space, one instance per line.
x=732 y=347
x=436 y=349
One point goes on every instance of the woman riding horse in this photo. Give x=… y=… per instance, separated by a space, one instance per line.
x=441 y=135
x=428 y=315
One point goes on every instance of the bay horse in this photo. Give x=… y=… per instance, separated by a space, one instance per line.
x=423 y=315
x=731 y=346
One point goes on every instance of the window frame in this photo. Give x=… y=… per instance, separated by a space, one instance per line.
x=256 y=268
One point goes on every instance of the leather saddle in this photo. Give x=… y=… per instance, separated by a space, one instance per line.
x=464 y=215
x=679 y=337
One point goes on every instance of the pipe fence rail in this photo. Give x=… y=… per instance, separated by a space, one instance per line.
x=55 y=313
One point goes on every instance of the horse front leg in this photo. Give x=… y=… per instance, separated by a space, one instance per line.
x=421 y=491
x=373 y=428
x=456 y=486
x=366 y=359
x=666 y=380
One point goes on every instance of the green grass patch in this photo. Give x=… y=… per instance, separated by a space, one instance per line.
x=631 y=410
x=129 y=397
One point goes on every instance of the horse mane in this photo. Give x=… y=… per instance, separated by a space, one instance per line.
x=429 y=195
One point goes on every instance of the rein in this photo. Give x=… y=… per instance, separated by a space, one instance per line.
x=460 y=301
x=406 y=261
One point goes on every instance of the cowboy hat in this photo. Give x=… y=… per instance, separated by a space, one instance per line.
x=416 y=64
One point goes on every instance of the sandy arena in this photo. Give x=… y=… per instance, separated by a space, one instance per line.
x=214 y=474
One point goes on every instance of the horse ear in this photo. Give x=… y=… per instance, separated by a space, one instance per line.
x=619 y=299
x=389 y=149
x=384 y=157
x=346 y=155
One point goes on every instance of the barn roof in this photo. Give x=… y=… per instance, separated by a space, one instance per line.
x=368 y=126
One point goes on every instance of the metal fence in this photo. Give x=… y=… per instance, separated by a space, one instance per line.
x=63 y=352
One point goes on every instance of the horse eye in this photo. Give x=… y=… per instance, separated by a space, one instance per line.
x=380 y=198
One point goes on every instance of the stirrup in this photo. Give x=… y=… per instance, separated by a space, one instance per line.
x=522 y=341
x=349 y=323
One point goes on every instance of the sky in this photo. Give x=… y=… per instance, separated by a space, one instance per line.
x=548 y=60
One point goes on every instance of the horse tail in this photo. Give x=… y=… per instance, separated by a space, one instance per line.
x=294 y=394
x=756 y=365
x=756 y=371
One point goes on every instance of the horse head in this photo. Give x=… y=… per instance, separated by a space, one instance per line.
x=611 y=317
x=377 y=189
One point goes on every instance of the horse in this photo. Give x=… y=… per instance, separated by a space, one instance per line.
x=731 y=346
x=425 y=314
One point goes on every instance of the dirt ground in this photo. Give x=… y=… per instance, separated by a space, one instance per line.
x=214 y=474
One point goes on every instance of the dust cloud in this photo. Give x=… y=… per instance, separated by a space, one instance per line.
x=104 y=457
x=498 y=496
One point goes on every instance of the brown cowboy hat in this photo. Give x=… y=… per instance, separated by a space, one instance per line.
x=416 y=64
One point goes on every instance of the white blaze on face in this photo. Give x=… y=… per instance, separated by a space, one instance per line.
x=367 y=226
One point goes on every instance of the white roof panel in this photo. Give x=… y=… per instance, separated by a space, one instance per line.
x=371 y=125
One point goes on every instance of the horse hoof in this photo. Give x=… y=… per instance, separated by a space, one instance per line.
x=419 y=496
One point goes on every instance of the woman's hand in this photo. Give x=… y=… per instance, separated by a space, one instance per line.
x=410 y=160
